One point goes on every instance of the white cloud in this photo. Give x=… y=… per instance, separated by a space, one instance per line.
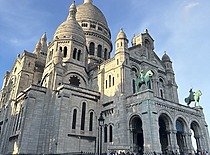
x=190 y=6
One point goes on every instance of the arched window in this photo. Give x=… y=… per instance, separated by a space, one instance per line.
x=65 y=52
x=61 y=49
x=74 y=53
x=74 y=119
x=161 y=87
x=92 y=48
x=79 y=54
x=134 y=86
x=110 y=134
x=161 y=93
x=83 y=116
x=105 y=134
x=113 y=81
x=106 y=83
x=179 y=126
x=91 y=122
x=110 y=79
x=105 y=54
x=99 y=51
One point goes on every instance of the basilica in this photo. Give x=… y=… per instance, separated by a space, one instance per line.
x=70 y=95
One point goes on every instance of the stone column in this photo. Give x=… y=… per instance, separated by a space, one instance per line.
x=185 y=141
x=131 y=139
x=189 y=144
x=169 y=134
x=197 y=138
x=150 y=127
x=174 y=144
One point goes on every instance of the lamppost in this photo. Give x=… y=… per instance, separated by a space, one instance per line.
x=101 y=123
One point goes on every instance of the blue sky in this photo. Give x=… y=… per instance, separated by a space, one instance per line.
x=179 y=27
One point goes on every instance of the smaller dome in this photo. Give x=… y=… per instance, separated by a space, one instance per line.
x=70 y=28
x=121 y=35
x=165 y=57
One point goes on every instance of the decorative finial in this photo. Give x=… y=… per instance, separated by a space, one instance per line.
x=38 y=45
x=88 y=1
x=44 y=37
x=146 y=30
x=72 y=10
x=164 y=52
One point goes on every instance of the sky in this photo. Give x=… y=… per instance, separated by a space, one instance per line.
x=181 y=28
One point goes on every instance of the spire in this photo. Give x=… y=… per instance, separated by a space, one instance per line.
x=38 y=47
x=44 y=44
x=44 y=37
x=72 y=10
x=88 y=1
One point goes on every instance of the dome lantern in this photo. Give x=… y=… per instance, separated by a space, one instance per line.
x=88 y=1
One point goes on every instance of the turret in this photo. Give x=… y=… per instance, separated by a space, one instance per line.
x=133 y=42
x=44 y=45
x=172 y=86
x=121 y=42
x=57 y=56
x=37 y=48
x=41 y=47
x=167 y=62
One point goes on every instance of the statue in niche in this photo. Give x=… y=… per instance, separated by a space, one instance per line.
x=193 y=96
x=144 y=79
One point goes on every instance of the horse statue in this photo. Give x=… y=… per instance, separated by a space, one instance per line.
x=194 y=96
x=144 y=79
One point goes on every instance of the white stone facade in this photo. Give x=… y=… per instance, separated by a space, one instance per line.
x=52 y=98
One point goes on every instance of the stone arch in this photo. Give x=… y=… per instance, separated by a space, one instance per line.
x=195 y=129
x=167 y=117
x=74 y=117
x=181 y=128
x=92 y=48
x=183 y=120
x=161 y=87
x=43 y=80
x=165 y=126
x=82 y=80
x=136 y=133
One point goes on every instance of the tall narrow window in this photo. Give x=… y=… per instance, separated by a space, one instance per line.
x=91 y=122
x=110 y=134
x=74 y=119
x=106 y=84
x=105 y=134
x=92 y=48
x=110 y=79
x=65 y=52
x=79 y=55
x=161 y=93
x=134 y=86
x=99 y=51
x=113 y=81
x=61 y=49
x=105 y=54
x=83 y=116
x=74 y=53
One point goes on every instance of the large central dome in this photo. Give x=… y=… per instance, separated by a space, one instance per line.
x=97 y=32
x=88 y=11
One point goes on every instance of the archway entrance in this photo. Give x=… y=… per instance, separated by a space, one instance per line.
x=195 y=136
x=163 y=135
x=179 y=136
x=137 y=134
